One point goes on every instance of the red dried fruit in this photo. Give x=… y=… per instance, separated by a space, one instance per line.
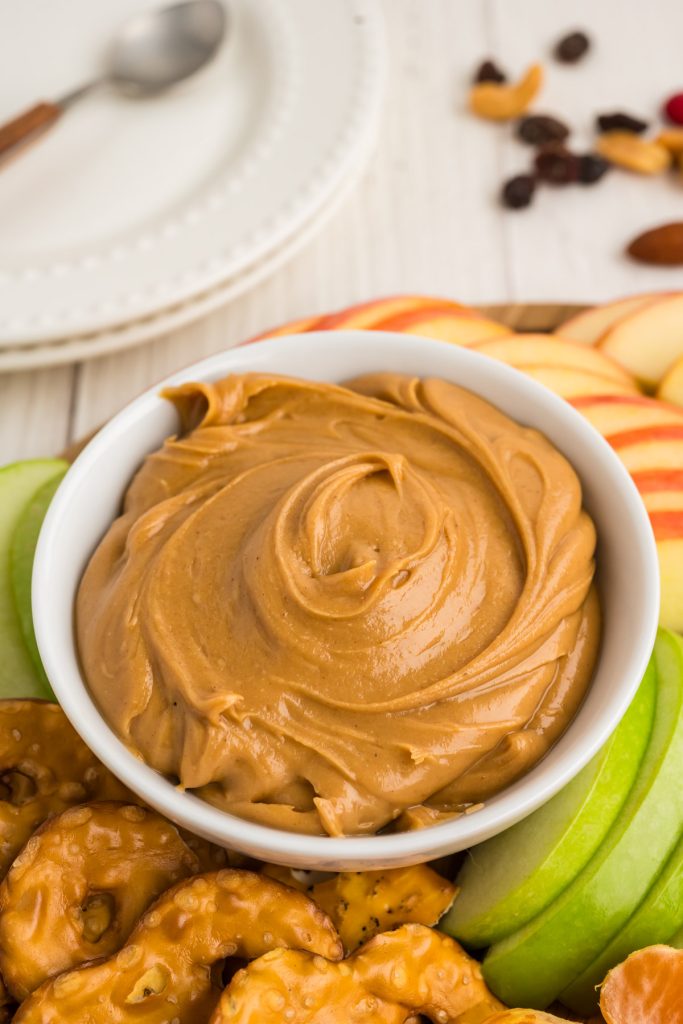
x=572 y=47
x=673 y=108
x=556 y=165
x=488 y=71
x=518 y=191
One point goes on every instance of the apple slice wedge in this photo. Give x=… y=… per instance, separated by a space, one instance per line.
x=617 y=413
x=522 y=350
x=509 y=879
x=649 y=340
x=671 y=385
x=22 y=551
x=18 y=483
x=670 y=554
x=458 y=326
x=656 y=919
x=570 y=383
x=587 y=327
x=536 y=963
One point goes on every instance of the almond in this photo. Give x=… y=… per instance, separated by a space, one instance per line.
x=500 y=102
x=626 y=149
x=662 y=245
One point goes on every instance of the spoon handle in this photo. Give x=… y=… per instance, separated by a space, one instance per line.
x=22 y=129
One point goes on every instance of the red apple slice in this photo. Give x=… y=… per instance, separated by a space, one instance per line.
x=368 y=315
x=293 y=327
x=588 y=327
x=522 y=350
x=571 y=383
x=458 y=327
x=671 y=385
x=616 y=413
x=670 y=553
x=649 y=340
x=663 y=501
x=651 y=454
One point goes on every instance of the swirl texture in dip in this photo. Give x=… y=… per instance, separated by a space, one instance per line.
x=331 y=608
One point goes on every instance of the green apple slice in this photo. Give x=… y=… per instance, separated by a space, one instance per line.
x=535 y=964
x=18 y=483
x=21 y=555
x=657 y=917
x=511 y=878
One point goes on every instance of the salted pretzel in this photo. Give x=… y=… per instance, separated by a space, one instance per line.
x=79 y=886
x=164 y=972
x=44 y=768
x=392 y=979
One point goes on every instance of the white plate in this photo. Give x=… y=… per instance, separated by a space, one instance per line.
x=90 y=346
x=127 y=208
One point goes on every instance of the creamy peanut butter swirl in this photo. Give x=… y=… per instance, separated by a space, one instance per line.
x=323 y=607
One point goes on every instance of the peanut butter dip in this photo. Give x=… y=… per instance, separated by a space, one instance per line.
x=324 y=607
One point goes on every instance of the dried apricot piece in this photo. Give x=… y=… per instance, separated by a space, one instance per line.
x=626 y=149
x=647 y=988
x=363 y=903
x=524 y=1017
x=499 y=101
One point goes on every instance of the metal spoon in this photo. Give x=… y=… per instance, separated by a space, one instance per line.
x=153 y=51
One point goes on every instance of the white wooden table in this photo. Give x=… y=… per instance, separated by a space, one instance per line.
x=425 y=215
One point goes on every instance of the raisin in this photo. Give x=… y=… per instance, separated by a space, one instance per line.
x=518 y=191
x=539 y=129
x=591 y=168
x=489 y=72
x=556 y=165
x=620 y=122
x=572 y=47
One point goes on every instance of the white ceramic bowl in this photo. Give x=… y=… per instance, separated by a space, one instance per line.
x=90 y=497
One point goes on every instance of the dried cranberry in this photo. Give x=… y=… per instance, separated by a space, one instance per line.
x=591 y=168
x=556 y=165
x=620 y=122
x=489 y=72
x=518 y=191
x=673 y=108
x=539 y=129
x=572 y=47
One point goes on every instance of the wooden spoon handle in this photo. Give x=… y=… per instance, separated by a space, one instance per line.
x=21 y=129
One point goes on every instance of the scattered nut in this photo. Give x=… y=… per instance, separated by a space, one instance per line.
x=671 y=139
x=572 y=47
x=618 y=121
x=488 y=71
x=673 y=108
x=556 y=165
x=518 y=191
x=591 y=168
x=662 y=246
x=499 y=102
x=538 y=129
x=635 y=154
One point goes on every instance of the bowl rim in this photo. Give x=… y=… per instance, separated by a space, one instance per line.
x=515 y=801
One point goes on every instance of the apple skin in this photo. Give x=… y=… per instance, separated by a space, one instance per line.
x=649 y=340
x=522 y=350
x=535 y=964
x=589 y=326
x=18 y=483
x=509 y=879
x=671 y=385
x=21 y=554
